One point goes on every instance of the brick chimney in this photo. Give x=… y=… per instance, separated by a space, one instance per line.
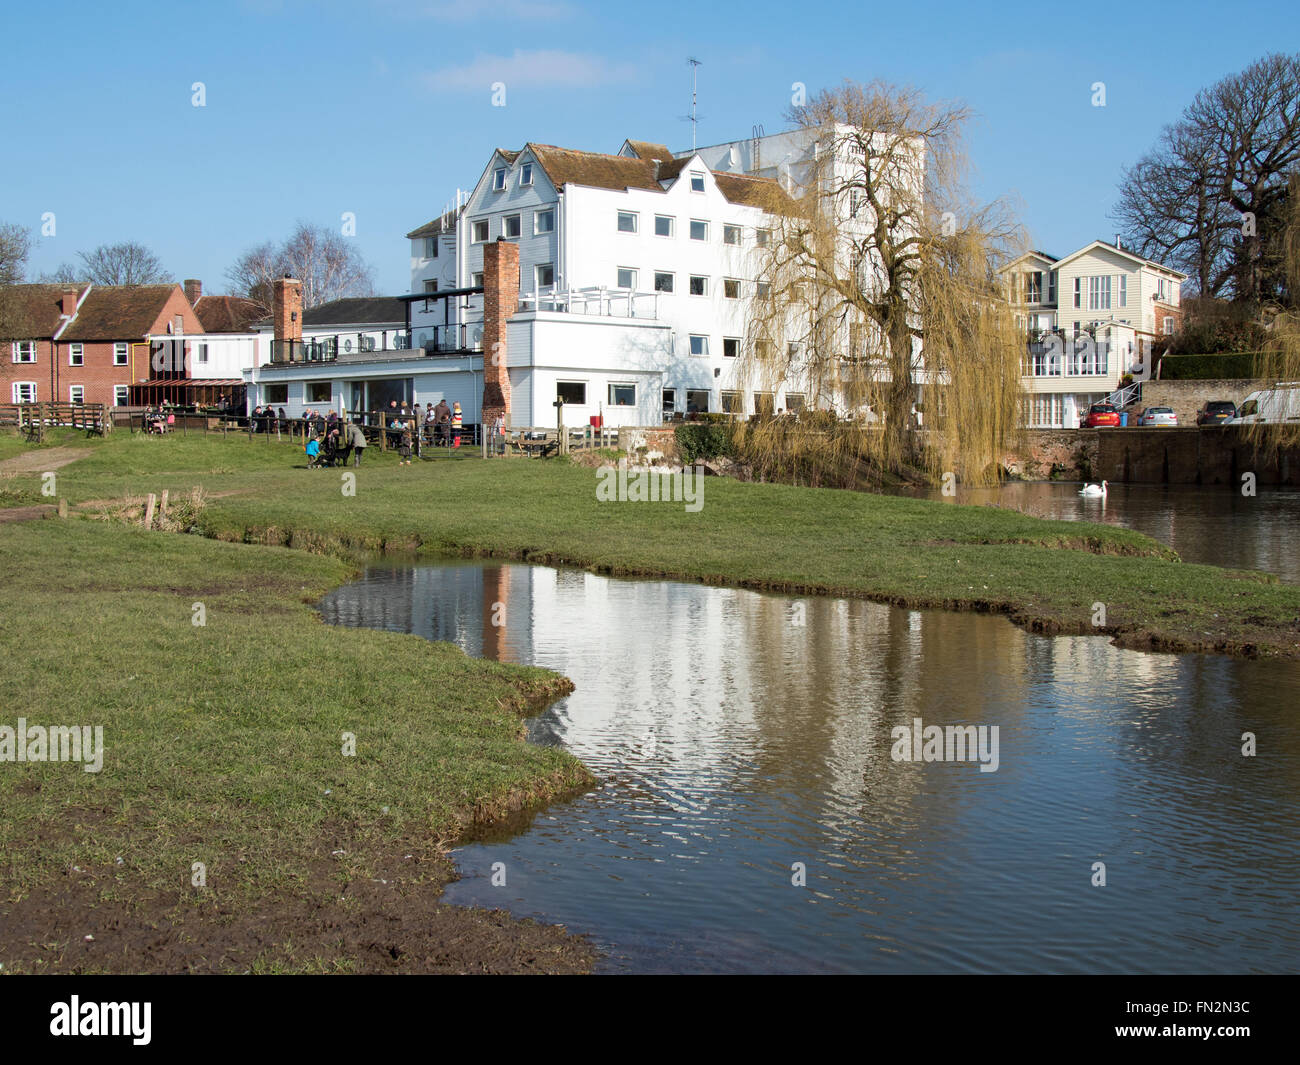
x=193 y=290
x=68 y=303
x=500 y=301
x=286 y=308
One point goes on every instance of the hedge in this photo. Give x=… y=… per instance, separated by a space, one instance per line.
x=702 y=440
x=1234 y=366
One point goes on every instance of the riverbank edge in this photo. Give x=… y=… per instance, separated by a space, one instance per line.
x=1037 y=622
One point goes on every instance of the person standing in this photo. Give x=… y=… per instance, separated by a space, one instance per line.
x=404 y=451
x=441 y=421
x=456 y=422
x=357 y=441
x=419 y=428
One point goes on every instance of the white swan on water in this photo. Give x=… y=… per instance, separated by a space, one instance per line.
x=1097 y=490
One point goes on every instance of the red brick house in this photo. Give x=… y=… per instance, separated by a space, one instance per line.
x=87 y=343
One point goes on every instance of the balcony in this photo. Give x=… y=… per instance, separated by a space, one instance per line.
x=432 y=341
x=599 y=301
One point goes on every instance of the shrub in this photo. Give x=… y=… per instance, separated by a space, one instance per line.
x=1209 y=367
x=702 y=440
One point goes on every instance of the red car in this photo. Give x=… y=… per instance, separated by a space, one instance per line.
x=1101 y=415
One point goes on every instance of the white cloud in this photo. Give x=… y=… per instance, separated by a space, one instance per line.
x=532 y=70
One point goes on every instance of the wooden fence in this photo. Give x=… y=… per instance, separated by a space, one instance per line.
x=32 y=419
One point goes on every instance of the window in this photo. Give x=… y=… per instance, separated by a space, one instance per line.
x=543 y=222
x=1123 y=290
x=526 y=174
x=1051 y=287
x=510 y=227
x=121 y=393
x=731 y=234
x=697 y=181
x=765 y=403
x=544 y=275
x=1161 y=292
x=320 y=391
x=24 y=351
x=663 y=282
x=1168 y=325
x=699 y=285
x=476 y=280
x=1099 y=293
x=119 y=353
x=730 y=288
x=76 y=355
x=663 y=225
x=697 y=401
x=627 y=221
x=430 y=247
x=670 y=401
x=203 y=353
x=24 y=391
x=499 y=179
x=731 y=347
x=1078 y=292
x=795 y=402
x=1034 y=287
x=733 y=402
x=622 y=395
x=571 y=392
x=480 y=231
x=762 y=236
x=762 y=289
x=699 y=230
x=431 y=286
x=699 y=345
x=275 y=393
x=626 y=277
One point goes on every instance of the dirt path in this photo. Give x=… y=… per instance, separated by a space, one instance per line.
x=43 y=459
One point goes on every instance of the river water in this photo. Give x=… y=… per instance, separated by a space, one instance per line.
x=752 y=817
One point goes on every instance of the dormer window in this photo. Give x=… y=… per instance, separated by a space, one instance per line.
x=430 y=247
x=526 y=174
x=697 y=181
x=499 y=179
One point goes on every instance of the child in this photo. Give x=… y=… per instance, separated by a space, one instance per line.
x=313 y=453
x=405 y=451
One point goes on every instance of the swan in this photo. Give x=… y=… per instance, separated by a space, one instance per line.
x=1094 y=490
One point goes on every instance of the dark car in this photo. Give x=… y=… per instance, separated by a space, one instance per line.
x=1216 y=412
x=1101 y=415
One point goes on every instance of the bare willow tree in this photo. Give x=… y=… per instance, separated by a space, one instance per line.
x=1279 y=362
x=328 y=264
x=15 y=246
x=876 y=295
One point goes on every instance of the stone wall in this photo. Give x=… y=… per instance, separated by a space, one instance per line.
x=1187 y=397
x=1068 y=454
x=1208 y=455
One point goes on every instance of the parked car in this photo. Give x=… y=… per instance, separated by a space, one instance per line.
x=1270 y=406
x=1101 y=415
x=1216 y=412
x=1158 y=416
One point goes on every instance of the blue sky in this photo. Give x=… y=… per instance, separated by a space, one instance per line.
x=383 y=107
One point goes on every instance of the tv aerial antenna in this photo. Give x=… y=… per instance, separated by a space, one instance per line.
x=693 y=118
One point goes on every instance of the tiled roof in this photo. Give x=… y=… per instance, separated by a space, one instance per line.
x=650 y=150
x=34 y=310
x=362 y=310
x=444 y=223
x=753 y=191
x=116 y=312
x=228 y=314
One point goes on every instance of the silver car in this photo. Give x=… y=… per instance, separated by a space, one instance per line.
x=1158 y=416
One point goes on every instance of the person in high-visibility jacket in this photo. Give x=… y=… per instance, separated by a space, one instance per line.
x=457 y=420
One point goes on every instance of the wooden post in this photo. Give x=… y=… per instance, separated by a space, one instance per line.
x=63 y=508
x=148 y=511
x=162 y=505
x=383 y=431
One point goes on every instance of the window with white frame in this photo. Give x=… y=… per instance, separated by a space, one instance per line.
x=733 y=402
x=1162 y=290
x=731 y=235
x=699 y=344
x=1078 y=292
x=664 y=225
x=762 y=290
x=431 y=286
x=622 y=395
x=1123 y=290
x=1034 y=286
x=697 y=401
x=24 y=350
x=476 y=280
x=24 y=392
x=121 y=393
x=543 y=222
x=1168 y=324
x=76 y=393
x=574 y=392
x=1099 y=293
x=430 y=247
x=697 y=181
x=795 y=402
x=699 y=229
x=480 y=231
x=730 y=288
x=762 y=236
x=731 y=347
x=626 y=277
x=499 y=179
x=119 y=353
x=511 y=227
x=627 y=221
x=76 y=354
x=526 y=174
x=544 y=275
x=663 y=281
x=1051 y=286
x=699 y=285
